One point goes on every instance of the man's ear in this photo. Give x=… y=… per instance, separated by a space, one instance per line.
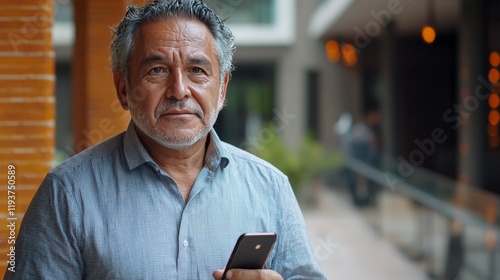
x=223 y=92
x=121 y=89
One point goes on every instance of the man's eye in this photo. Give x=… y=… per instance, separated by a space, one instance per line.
x=197 y=70
x=156 y=70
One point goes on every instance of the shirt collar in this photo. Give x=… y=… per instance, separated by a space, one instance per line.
x=136 y=154
x=216 y=154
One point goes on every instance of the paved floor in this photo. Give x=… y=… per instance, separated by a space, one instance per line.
x=347 y=248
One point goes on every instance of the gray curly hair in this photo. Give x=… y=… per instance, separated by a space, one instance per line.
x=123 y=34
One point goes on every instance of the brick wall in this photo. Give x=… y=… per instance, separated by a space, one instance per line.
x=26 y=106
x=97 y=112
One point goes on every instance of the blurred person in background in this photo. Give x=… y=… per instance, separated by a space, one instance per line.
x=364 y=145
x=165 y=199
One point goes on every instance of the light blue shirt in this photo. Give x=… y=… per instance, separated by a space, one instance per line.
x=111 y=213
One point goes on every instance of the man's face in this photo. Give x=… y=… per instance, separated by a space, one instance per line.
x=174 y=92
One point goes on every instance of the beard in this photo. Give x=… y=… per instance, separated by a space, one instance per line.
x=176 y=138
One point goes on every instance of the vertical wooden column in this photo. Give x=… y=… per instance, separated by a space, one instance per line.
x=27 y=114
x=473 y=94
x=97 y=113
x=389 y=107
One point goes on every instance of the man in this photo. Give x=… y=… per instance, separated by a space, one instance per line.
x=166 y=199
x=364 y=146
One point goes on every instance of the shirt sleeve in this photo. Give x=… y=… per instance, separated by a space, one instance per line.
x=47 y=246
x=294 y=259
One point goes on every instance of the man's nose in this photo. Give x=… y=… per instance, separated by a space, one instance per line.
x=177 y=87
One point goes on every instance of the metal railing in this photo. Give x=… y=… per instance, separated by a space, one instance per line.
x=456 y=236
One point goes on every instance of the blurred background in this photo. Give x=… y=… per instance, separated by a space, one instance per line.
x=383 y=113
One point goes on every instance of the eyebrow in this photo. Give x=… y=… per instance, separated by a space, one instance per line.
x=151 y=59
x=198 y=60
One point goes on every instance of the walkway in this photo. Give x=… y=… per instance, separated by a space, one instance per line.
x=347 y=248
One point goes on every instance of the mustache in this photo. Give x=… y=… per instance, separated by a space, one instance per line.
x=183 y=104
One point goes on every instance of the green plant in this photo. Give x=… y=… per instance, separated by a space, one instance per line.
x=303 y=165
x=316 y=160
x=276 y=153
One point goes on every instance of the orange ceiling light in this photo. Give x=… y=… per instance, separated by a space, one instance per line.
x=494 y=142
x=332 y=51
x=349 y=55
x=494 y=75
x=494 y=117
x=494 y=100
x=492 y=130
x=494 y=59
x=428 y=34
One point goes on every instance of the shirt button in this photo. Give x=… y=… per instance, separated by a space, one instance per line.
x=185 y=243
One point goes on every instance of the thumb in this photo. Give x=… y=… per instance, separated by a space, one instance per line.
x=255 y=274
x=217 y=274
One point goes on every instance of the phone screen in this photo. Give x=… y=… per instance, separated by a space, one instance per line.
x=251 y=251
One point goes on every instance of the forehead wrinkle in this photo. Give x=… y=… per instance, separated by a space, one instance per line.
x=152 y=59
x=199 y=60
x=171 y=44
x=176 y=34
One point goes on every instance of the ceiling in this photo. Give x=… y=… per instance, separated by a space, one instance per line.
x=341 y=18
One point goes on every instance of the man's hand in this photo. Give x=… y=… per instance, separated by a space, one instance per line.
x=254 y=274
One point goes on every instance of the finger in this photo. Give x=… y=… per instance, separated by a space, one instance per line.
x=217 y=274
x=257 y=274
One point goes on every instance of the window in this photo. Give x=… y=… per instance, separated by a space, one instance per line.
x=258 y=22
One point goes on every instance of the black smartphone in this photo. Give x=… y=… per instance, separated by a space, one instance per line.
x=251 y=251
